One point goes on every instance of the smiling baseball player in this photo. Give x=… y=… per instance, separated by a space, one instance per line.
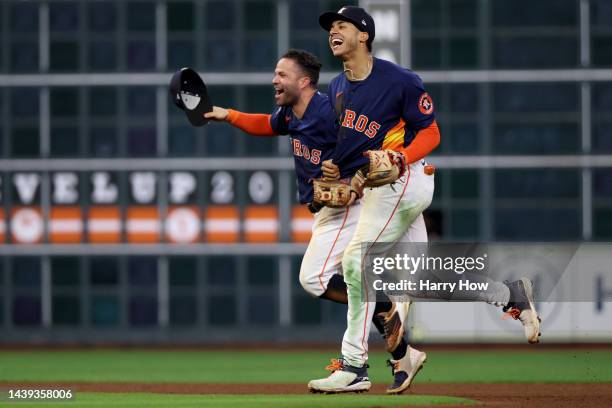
x=385 y=114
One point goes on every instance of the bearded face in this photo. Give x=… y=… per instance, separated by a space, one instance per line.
x=286 y=81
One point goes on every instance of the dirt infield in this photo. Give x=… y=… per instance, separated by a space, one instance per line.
x=559 y=395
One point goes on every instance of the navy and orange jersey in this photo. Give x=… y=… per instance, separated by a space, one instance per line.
x=312 y=139
x=384 y=111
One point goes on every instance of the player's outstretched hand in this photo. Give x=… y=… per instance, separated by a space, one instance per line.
x=330 y=170
x=218 y=113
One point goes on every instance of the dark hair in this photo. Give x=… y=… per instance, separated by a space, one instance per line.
x=309 y=64
x=369 y=43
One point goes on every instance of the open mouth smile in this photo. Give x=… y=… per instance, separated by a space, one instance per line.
x=336 y=42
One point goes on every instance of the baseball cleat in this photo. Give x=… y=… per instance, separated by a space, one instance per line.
x=405 y=369
x=522 y=307
x=393 y=323
x=344 y=378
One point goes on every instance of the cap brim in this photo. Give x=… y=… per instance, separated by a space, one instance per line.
x=327 y=19
x=188 y=92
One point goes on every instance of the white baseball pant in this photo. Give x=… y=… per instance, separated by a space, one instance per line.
x=332 y=230
x=388 y=214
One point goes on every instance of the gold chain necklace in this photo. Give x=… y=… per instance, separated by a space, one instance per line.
x=369 y=71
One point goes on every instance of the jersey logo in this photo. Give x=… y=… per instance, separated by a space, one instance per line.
x=301 y=150
x=361 y=124
x=426 y=105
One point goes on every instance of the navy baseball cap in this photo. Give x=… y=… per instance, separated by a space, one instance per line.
x=353 y=14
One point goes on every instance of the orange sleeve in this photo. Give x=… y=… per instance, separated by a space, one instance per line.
x=256 y=124
x=425 y=141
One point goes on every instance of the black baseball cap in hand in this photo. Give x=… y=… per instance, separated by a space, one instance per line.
x=188 y=92
x=353 y=14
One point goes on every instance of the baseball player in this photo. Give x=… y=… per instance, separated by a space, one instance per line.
x=384 y=107
x=309 y=119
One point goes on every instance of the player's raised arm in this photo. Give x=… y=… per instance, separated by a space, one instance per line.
x=256 y=124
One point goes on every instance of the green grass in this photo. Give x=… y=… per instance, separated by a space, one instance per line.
x=296 y=367
x=251 y=401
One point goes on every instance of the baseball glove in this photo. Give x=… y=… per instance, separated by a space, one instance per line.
x=385 y=167
x=331 y=193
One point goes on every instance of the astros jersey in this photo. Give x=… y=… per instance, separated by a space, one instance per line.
x=312 y=139
x=384 y=111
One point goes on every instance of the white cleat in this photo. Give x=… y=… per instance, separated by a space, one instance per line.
x=405 y=369
x=344 y=378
